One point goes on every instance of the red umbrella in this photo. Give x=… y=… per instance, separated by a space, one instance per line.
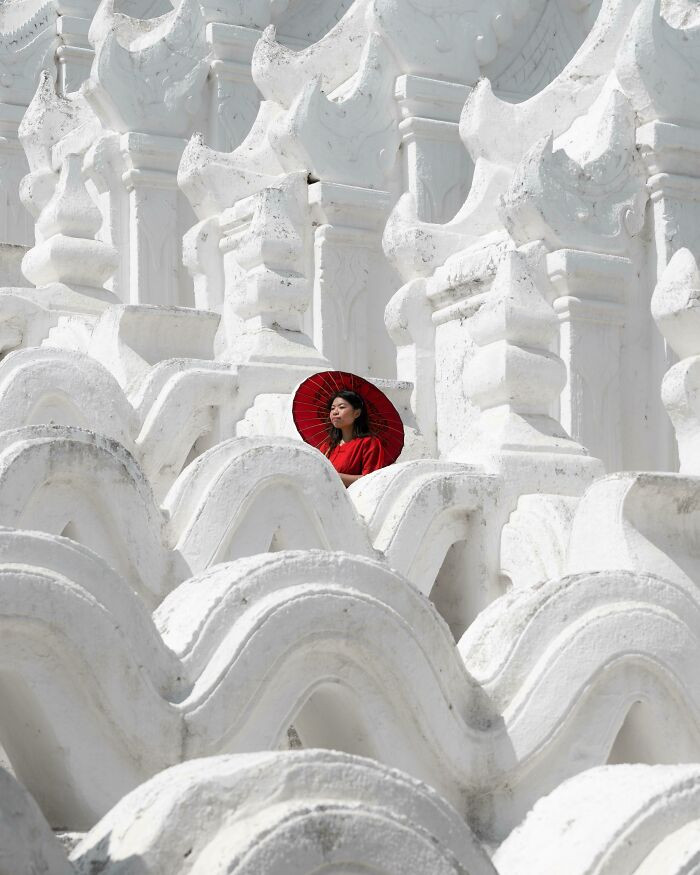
x=312 y=402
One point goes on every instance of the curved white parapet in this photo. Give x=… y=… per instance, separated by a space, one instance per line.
x=339 y=647
x=81 y=568
x=336 y=651
x=246 y=493
x=417 y=512
x=282 y=814
x=243 y=496
x=83 y=721
x=615 y=820
x=567 y=663
x=63 y=387
x=327 y=642
x=642 y=522
x=191 y=403
x=66 y=480
x=27 y=845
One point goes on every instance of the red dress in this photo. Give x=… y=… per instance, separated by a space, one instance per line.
x=361 y=455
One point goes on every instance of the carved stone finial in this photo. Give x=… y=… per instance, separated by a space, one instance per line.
x=587 y=194
x=659 y=62
x=55 y=132
x=148 y=78
x=213 y=181
x=279 y=71
x=351 y=140
x=68 y=252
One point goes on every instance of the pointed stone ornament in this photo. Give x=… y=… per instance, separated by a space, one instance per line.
x=587 y=193
x=147 y=78
x=352 y=140
x=67 y=264
x=278 y=70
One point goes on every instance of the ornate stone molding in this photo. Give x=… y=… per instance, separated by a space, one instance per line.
x=148 y=76
x=591 y=201
x=278 y=70
x=352 y=140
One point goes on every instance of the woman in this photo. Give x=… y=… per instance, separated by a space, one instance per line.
x=350 y=421
x=351 y=447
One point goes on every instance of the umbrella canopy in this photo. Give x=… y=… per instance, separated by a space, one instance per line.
x=313 y=398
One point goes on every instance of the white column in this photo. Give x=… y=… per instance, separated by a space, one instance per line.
x=234 y=97
x=437 y=168
x=592 y=289
x=16 y=223
x=74 y=54
x=155 y=245
x=348 y=297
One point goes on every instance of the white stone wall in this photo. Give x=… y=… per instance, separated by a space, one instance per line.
x=214 y=657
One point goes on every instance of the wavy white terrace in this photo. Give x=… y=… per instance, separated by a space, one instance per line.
x=213 y=656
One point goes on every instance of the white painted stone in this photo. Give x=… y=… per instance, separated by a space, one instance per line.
x=643 y=827
x=329 y=810
x=28 y=845
x=484 y=209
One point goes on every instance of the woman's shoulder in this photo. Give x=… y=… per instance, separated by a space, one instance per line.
x=372 y=444
x=369 y=440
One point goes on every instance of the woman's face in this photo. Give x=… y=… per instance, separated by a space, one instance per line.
x=342 y=413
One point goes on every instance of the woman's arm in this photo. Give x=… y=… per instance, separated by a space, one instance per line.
x=349 y=478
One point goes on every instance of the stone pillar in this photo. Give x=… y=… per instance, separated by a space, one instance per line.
x=146 y=224
x=592 y=289
x=234 y=97
x=671 y=153
x=675 y=306
x=150 y=180
x=16 y=223
x=74 y=54
x=658 y=67
x=437 y=168
x=514 y=378
x=347 y=252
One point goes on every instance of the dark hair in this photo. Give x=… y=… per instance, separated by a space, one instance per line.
x=360 y=427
